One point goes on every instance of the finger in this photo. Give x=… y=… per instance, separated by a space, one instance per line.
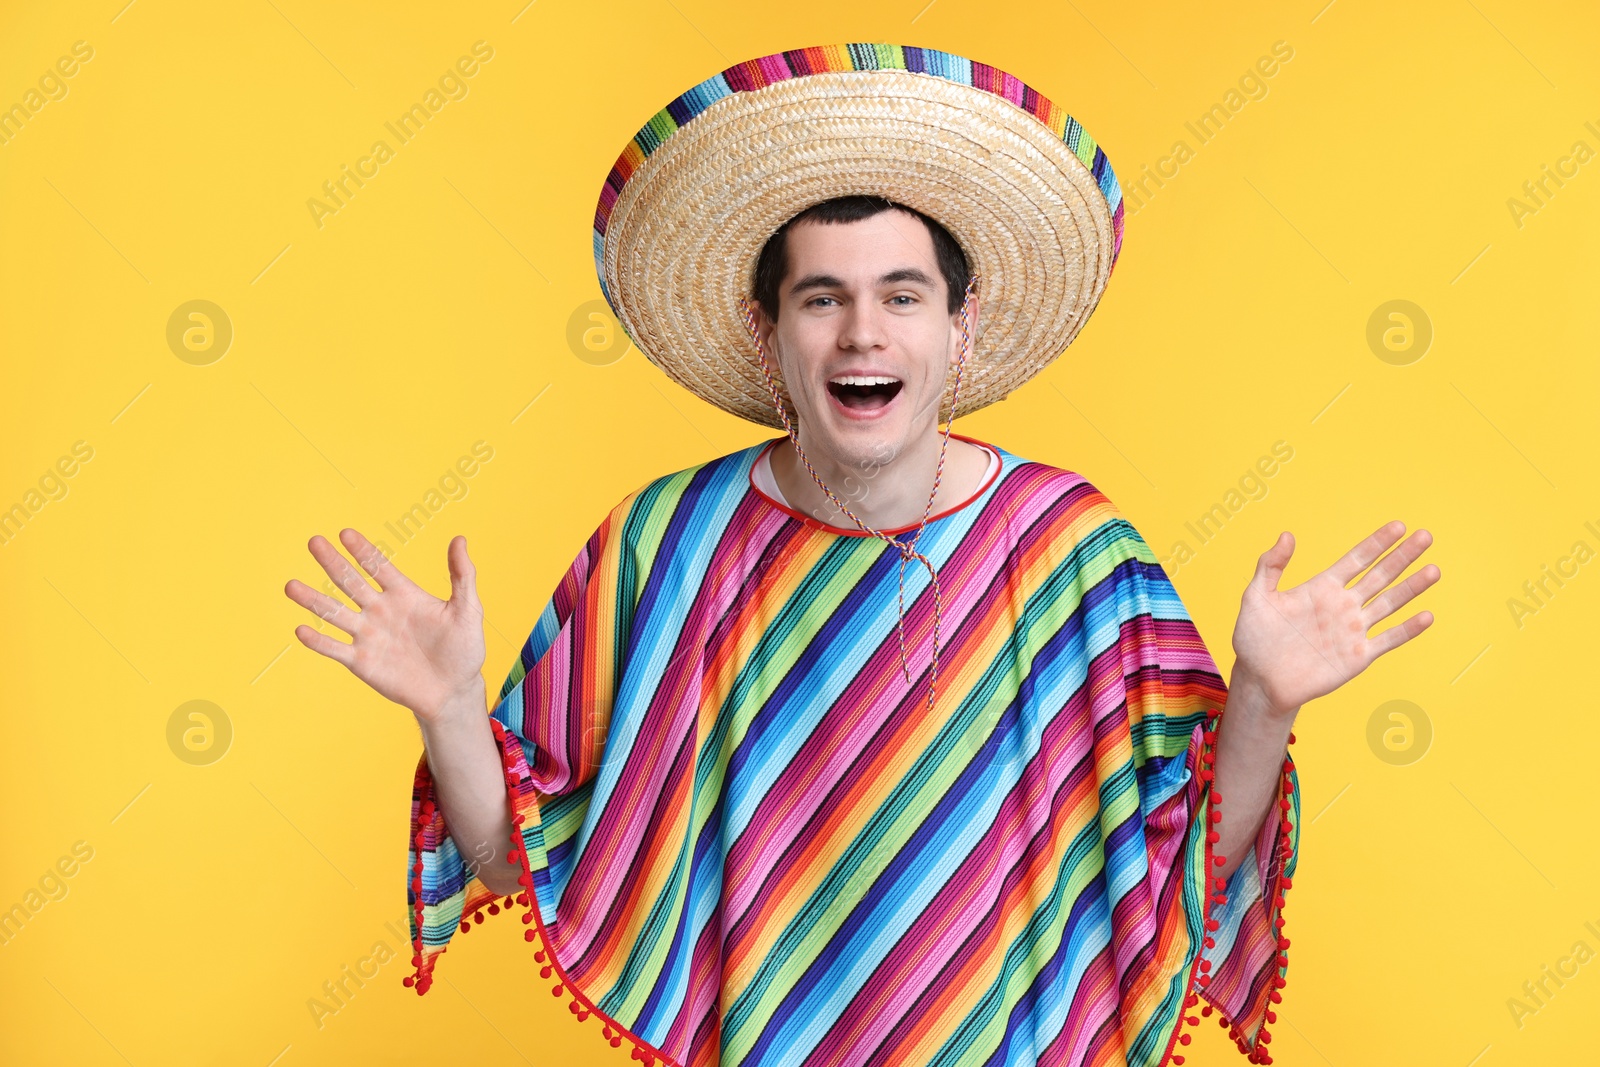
x=1361 y=556
x=1392 y=600
x=1397 y=635
x=1269 y=568
x=372 y=559
x=463 y=575
x=346 y=577
x=336 y=650
x=1391 y=566
x=325 y=607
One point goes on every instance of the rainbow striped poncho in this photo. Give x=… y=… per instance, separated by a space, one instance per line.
x=746 y=840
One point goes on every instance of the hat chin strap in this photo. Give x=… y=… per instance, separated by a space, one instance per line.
x=908 y=550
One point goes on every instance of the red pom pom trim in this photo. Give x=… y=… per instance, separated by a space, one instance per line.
x=1198 y=977
x=580 y=1005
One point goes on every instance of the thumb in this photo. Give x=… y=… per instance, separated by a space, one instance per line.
x=1269 y=568
x=463 y=575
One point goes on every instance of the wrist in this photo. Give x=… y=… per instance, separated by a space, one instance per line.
x=456 y=706
x=1248 y=693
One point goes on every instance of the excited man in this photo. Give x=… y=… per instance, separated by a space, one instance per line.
x=772 y=796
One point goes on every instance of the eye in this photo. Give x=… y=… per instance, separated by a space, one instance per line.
x=814 y=299
x=904 y=296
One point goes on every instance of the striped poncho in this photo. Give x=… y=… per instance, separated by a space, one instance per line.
x=745 y=839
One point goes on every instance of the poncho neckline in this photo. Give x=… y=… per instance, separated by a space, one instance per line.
x=998 y=469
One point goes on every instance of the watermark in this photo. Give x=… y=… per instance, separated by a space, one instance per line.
x=988 y=722
x=339 y=991
x=53 y=886
x=853 y=489
x=1399 y=732
x=1538 y=192
x=594 y=334
x=52 y=485
x=1538 y=592
x=337 y=192
x=199 y=332
x=1138 y=190
x=876 y=863
x=1537 y=992
x=450 y=486
x=1399 y=332
x=199 y=732
x=52 y=87
x=1250 y=486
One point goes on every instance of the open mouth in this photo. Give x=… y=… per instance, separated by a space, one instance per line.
x=864 y=392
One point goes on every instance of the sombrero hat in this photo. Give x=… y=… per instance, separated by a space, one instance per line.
x=1020 y=185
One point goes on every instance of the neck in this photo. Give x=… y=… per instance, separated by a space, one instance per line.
x=884 y=496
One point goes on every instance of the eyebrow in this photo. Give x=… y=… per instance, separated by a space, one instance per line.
x=817 y=280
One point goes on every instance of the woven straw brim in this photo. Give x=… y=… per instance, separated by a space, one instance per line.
x=687 y=228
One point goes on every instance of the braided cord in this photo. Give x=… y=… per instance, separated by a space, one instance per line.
x=907 y=550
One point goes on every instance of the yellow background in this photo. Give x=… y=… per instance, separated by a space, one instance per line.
x=429 y=312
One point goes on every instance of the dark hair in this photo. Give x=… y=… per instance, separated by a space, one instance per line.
x=773 y=263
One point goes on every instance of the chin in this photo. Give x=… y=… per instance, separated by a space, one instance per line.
x=857 y=445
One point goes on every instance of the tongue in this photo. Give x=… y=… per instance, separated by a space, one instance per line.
x=868 y=402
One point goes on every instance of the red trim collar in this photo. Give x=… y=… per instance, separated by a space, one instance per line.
x=846 y=532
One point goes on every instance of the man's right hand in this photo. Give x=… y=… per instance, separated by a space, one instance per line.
x=426 y=654
x=419 y=651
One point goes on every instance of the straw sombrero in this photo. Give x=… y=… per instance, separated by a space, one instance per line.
x=1019 y=184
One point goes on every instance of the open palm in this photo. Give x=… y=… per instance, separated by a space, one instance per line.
x=415 y=649
x=1305 y=642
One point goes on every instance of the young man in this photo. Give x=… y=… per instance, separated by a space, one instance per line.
x=772 y=796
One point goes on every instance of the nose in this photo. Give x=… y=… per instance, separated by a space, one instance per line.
x=862 y=327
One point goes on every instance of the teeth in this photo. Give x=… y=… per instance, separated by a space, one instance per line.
x=863 y=379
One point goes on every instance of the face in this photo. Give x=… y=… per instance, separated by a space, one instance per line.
x=863 y=340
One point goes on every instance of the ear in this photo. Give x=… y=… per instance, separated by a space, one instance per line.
x=955 y=328
x=764 y=325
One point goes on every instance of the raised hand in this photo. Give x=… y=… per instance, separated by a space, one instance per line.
x=1302 y=643
x=417 y=650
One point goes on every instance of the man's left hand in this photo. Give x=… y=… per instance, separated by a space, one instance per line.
x=1298 y=644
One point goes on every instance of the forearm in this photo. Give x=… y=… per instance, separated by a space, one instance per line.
x=470 y=781
x=1251 y=745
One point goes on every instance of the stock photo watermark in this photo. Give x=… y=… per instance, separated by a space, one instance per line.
x=199 y=332
x=51 y=486
x=52 y=87
x=1399 y=332
x=339 y=991
x=53 y=886
x=1538 y=192
x=1537 y=993
x=1252 y=85
x=450 y=486
x=595 y=336
x=1250 y=487
x=1399 y=732
x=199 y=732
x=1538 y=592
x=452 y=85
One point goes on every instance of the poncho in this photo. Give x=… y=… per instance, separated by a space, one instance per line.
x=745 y=839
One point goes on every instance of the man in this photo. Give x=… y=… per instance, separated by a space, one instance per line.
x=774 y=797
